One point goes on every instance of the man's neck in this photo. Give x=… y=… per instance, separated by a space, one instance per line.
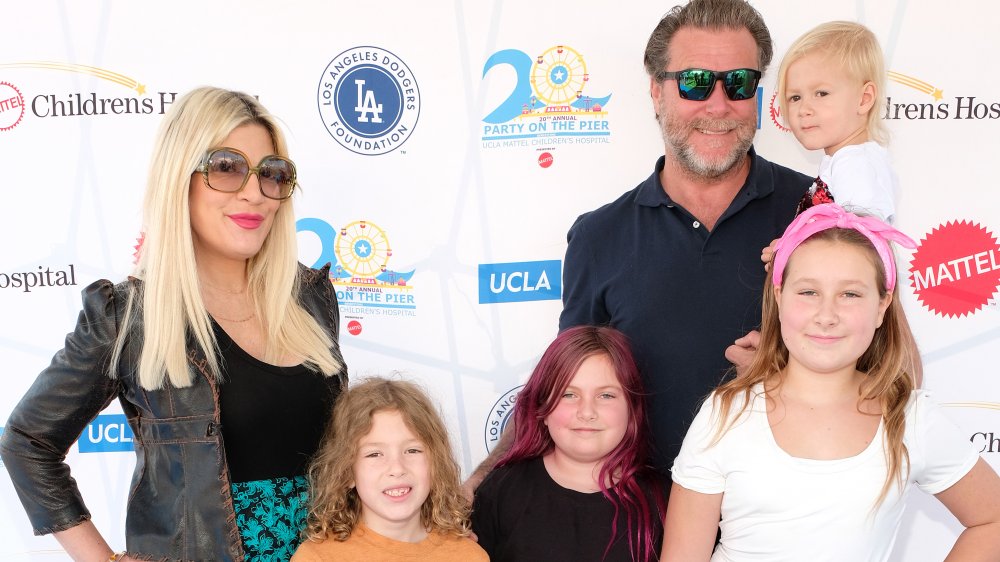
x=705 y=198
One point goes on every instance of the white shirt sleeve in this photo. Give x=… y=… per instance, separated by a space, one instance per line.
x=942 y=454
x=861 y=179
x=697 y=466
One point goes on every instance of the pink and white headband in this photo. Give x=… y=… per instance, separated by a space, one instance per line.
x=830 y=215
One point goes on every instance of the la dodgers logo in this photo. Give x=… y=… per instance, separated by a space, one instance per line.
x=369 y=100
x=500 y=414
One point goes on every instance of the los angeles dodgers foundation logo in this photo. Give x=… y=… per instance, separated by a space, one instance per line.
x=369 y=100
x=499 y=415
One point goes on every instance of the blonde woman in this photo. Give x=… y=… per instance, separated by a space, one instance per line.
x=221 y=349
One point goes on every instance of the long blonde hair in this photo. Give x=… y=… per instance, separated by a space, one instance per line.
x=169 y=300
x=334 y=505
x=856 y=48
x=890 y=363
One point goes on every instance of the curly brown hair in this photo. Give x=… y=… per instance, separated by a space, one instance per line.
x=334 y=505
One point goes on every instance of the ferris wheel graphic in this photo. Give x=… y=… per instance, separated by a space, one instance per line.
x=558 y=75
x=363 y=249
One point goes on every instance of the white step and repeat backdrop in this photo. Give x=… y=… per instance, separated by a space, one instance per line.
x=448 y=227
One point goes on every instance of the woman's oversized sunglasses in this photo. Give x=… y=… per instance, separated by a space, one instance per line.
x=228 y=170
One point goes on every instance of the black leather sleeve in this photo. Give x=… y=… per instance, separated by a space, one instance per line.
x=50 y=417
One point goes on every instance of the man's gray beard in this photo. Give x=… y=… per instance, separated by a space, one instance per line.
x=675 y=135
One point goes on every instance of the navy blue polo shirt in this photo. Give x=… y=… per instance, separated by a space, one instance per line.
x=682 y=294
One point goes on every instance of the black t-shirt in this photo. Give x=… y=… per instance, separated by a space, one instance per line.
x=520 y=514
x=272 y=417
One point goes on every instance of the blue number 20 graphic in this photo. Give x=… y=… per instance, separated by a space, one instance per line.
x=523 y=93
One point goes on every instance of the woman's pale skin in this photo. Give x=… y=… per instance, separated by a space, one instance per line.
x=222 y=248
x=222 y=245
x=829 y=287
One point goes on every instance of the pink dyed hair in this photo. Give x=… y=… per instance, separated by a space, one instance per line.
x=628 y=460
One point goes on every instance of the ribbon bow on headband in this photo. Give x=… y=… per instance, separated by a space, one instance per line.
x=830 y=215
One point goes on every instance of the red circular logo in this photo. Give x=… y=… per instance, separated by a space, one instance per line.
x=545 y=159
x=354 y=327
x=956 y=269
x=11 y=106
x=776 y=114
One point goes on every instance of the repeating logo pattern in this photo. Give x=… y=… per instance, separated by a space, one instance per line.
x=11 y=106
x=108 y=432
x=549 y=104
x=369 y=100
x=499 y=415
x=359 y=253
x=520 y=281
x=956 y=269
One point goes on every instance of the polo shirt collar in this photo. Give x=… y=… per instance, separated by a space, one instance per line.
x=652 y=194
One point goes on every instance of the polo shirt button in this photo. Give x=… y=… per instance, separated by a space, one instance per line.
x=696 y=224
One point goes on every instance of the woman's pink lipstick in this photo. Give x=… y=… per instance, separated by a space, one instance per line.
x=248 y=221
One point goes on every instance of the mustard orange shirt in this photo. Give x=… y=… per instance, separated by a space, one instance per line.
x=365 y=544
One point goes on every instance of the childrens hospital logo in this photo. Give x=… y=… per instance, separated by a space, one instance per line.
x=549 y=104
x=14 y=106
x=955 y=270
x=359 y=254
x=368 y=100
x=912 y=99
x=902 y=106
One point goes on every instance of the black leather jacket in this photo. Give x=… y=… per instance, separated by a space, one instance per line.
x=179 y=505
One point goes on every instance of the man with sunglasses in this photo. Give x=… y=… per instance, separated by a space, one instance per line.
x=675 y=262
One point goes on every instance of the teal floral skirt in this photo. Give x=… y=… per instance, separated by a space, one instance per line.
x=271 y=515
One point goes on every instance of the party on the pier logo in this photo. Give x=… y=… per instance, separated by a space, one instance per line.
x=359 y=253
x=549 y=104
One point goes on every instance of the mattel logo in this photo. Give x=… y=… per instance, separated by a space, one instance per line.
x=107 y=433
x=520 y=281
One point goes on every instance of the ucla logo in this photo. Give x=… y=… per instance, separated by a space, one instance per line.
x=359 y=254
x=368 y=100
x=520 y=281
x=549 y=104
x=108 y=432
x=501 y=413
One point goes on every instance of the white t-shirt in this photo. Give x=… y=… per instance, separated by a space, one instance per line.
x=861 y=179
x=776 y=507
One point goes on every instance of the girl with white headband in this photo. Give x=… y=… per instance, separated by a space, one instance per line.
x=809 y=453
